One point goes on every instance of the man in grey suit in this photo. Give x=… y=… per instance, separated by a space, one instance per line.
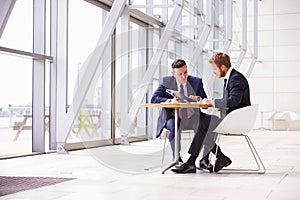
x=188 y=85
x=236 y=94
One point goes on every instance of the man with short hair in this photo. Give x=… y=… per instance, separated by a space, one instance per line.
x=236 y=94
x=189 y=86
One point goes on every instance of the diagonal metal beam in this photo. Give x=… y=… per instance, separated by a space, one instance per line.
x=64 y=123
x=153 y=65
x=6 y=7
x=205 y=33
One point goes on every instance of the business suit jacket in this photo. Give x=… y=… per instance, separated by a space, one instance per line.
x=194 y=87
x=237 y=93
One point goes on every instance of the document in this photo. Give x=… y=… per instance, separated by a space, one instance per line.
x=180 y=96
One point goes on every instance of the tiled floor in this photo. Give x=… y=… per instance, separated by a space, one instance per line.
x=133 y=172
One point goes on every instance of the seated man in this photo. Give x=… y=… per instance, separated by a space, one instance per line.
x=236 y=94
x=189 y=86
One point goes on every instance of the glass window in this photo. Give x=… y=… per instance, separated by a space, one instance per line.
x=19 y=28
x=15 y=105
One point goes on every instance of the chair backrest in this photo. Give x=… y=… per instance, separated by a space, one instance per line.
x=239 y=121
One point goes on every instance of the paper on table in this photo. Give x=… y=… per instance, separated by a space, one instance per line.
x=177 y=94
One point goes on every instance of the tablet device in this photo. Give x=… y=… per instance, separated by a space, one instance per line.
x=177 y=94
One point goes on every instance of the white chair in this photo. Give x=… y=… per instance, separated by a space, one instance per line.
x=238 y=123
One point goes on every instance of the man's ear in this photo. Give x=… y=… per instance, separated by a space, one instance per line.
x=172 y=73
x=223 y=68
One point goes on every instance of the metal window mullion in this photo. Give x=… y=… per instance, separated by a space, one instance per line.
x=244 y=34
x=228 y=25
x=59 y=49
x=255 y=40
x=38 y=82
x=123 y=100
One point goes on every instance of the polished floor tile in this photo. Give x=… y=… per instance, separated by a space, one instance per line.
x=134 y=172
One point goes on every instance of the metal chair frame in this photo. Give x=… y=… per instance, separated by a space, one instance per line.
x=229 y=127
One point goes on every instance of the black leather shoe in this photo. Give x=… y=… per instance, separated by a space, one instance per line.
x=185 y=168
x=222 y=161
x=205 y=165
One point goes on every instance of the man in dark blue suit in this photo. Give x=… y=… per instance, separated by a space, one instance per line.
x=236 y=94
x=191 y=87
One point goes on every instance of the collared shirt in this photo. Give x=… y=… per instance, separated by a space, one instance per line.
x=228 y=75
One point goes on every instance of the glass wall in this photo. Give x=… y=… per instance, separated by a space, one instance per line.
x=108 y=108
x=16 y=82
x=84 y=28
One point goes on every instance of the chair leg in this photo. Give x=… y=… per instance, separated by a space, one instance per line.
x=256 y=156
x=261 y=168
x=164 y=149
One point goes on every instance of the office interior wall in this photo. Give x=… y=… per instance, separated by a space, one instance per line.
x=276 y=76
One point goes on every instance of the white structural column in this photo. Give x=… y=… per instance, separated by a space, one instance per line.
x=205 y=33
x=58 y=70
x=124 y=86
x=53 y=68
x=106 y=79
x=38 y=81
x=6 y=6
x=244 y=34
x=255 y=41
x=228 y=25
x=154 y=63
x=209 y=21
x=66 y=119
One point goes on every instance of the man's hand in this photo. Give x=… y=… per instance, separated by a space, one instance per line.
x=174 y=100
x=196 y=98
x=207 y=101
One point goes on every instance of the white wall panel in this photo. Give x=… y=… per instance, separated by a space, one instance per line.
x=287 y=37
x=286 y=6
x=265 y=7
x=288 y=68
x=287 y=102
x=261 y=85
x=263 y=69
x=265 y=53
x=290 y=84
x=264 y=100
x=265 y=22
x=287 y=21
x=287 y=53
x=265 y=38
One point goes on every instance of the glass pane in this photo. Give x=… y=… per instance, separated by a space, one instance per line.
x=15 y=105
x=19 y=28
x=85 y=26
x=129 y=78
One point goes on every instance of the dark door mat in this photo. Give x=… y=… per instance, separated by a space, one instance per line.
x=13 y=184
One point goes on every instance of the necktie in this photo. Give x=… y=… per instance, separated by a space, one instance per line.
x=183 y=111
x=224 y=88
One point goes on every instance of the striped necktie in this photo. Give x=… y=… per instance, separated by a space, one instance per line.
x=183 y=111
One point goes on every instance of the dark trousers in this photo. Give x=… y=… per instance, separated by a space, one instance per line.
x=204 y=137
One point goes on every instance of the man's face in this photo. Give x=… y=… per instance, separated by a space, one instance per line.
x=219 y=71
x=180 y=74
